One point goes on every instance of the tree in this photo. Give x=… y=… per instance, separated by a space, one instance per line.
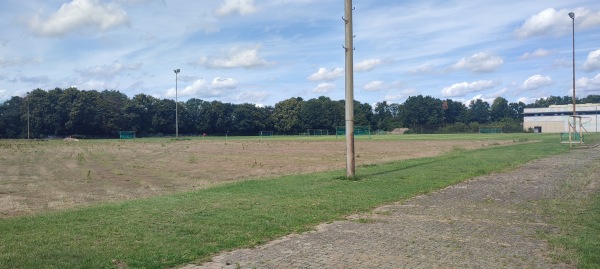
x=363 y=114
x=382 y=116
x=455 y=112
x=423 y=110
x=249 y=119
x=319 y=113
x=516 y=110
x=591 y=99
x=139 y=114
x=479 y=111
x=286 y=116
x=111 y=110
x=499 y=109
x=11 y=124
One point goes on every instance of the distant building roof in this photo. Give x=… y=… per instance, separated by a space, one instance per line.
x=563 y=108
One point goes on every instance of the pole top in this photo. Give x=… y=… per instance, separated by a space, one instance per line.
x=176 y=71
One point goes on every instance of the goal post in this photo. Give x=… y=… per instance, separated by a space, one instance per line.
x=358 y=131
x=490 y=130
x=265 y=133
x=126 y=134
x=317 y=132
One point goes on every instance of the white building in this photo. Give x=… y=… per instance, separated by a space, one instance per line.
x=556 y=118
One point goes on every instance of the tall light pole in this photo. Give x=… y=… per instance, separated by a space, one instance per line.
x=176 y=114
x=574 y=126
x=349 y=47
x=572 y=15
x=26 y=98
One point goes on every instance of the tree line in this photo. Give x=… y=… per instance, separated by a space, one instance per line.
x=72 y=112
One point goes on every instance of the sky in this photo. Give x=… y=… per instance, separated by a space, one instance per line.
x=265 y=51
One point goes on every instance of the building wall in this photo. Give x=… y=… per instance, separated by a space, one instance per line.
x=555 y=119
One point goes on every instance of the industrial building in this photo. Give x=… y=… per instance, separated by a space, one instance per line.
x=556 y=118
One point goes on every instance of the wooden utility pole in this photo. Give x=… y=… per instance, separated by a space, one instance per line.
x=349 y=48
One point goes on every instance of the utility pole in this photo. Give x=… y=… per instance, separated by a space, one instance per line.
x=349 y=48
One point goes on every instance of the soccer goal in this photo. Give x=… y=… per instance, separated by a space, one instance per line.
x=319 y=132
x=358 y=131
x=126 y=134
x=490 y=130
x=265 y=133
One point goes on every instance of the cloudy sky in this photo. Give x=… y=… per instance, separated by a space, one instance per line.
x=265 y=51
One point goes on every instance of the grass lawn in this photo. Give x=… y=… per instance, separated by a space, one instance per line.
x=172 y=230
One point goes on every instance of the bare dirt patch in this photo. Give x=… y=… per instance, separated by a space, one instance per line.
x=39 y=176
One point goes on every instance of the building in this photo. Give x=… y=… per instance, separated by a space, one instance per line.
x=556 y=118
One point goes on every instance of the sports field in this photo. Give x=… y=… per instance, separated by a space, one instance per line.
x=163 y=203
x=48 y=175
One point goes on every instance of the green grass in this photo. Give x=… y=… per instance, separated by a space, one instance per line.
x=577 y=215
x=176 y=229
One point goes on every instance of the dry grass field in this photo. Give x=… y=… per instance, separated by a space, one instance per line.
x=41 y=176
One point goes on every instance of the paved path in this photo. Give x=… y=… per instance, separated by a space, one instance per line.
x=487 y=222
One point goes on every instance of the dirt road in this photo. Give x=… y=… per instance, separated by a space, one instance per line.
x=487 y=222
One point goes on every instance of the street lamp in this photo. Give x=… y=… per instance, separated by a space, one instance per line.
x=176 y=114
x=572 y=15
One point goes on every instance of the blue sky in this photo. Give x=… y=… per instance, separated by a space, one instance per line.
x=265 y=51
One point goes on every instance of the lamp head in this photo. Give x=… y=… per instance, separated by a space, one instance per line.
x=176 y=71
x=572 y=15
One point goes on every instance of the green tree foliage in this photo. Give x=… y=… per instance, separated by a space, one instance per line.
x=423 y=110
x=499 y=109
x=454 y=112
x=479 y=111
x=65 y=112
x=287 y=116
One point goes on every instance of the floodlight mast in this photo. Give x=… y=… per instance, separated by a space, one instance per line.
x=176 y=114
x=572 y=15
x=349 y=48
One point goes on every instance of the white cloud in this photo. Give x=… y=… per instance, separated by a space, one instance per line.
x=484 y=98
x=593 y=61
x=324 y=88
x=587 y=85
x=378 y=85
x=401 y=96
x=460 y=89
x=536 y=54
x=3 y=94
x=109 y=71
x=536 y=81
x=234 y=58
x=35 y=79
x=527 y=100
x=224 y=83
x=199 y=88
x=77 y=14
x=367 y=65
x=97 y=85
x=243 y=7
x=16 y=61
x=479 y=63
x=423 y=69
x=252 y=97
x=557 y=23
x=327 y=75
